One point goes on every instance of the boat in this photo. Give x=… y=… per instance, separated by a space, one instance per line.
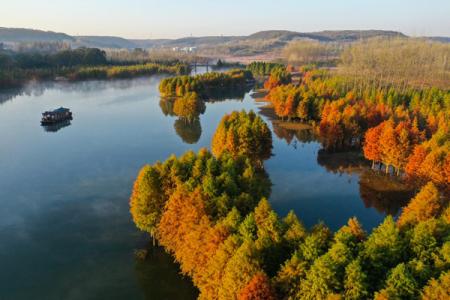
x=55 y=116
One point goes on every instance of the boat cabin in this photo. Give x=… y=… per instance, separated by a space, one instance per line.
x=57 y=115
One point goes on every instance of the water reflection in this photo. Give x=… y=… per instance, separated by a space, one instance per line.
x=188 y=130
x=37 y=89
x=188 y=124
x=159 y=280
x=65 y=227
x=383 y=192
x=57 y=126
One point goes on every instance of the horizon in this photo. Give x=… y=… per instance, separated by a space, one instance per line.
x=201 y=36
x=175 y=19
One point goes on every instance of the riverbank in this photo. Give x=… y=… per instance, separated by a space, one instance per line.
x=15 y=78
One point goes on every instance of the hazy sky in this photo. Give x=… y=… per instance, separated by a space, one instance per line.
x=171 y=18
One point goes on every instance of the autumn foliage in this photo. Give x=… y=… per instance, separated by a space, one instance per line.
x=425 y=205
x=242 y=133
x=259 y=288
x=406 y=131
x=205 y=85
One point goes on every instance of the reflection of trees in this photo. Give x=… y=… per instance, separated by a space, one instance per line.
x=38 y=88
x=188 y=131
x=290 y=131
x=187 y=126
x=159 y=277
x=238 y=92
x=341 y=162
x=166 y=106
x=385 y=194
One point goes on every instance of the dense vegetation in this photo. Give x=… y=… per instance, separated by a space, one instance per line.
x=312 y=52
x=347 y=117
x=227 y=182
x=82 y=63
x=204 y=210
x=246 y=251
x=263 y=68
x=127 y=71
x=242 y=133
x=397 y=62
x=278 y=76
x=206 y=85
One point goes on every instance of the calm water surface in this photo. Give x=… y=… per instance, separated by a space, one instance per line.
x=65 y=229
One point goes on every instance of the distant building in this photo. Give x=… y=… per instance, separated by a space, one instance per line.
x=184 y=49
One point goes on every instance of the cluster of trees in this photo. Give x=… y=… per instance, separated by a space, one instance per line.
x=80 y=63
x=242 y=133
x=261 y=68
x=342 y=113
x=403 y=146
x=226 y=181
x=312 y=52
x=64 y=58
x=399 y=62
x=205 y=85
x=188 y=109
x=210 y=211
x=278 y=76
x=254 y=254
x=127 y=71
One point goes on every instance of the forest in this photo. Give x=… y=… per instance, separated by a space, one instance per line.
x=16 y=68
x=400 y=124
x=208 y=85
x=210 y=209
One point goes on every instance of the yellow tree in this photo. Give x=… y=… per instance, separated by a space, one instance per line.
x=425 y=205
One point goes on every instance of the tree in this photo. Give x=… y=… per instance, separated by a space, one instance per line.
x=425 y=205
x=259 y=288
x=183 y=211
x=400 y=284
x=371 y=146
x=291 y=274
x=356 y=284
x=321 y=280
x=239 y=270
x=294 y=232
x=147 y=200
x=215 y=271
x=388 y=145
x=437 y=289
x=382 y=250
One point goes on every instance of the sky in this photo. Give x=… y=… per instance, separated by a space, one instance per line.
x=177 y=18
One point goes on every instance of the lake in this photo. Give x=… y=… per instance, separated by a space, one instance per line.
x=65 y=227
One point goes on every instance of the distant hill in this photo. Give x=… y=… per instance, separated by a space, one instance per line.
x=262 y=41
x=442 y=39
x=104 y=42
x=32 y=35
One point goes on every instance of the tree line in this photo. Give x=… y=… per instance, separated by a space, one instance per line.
x=399 y=62
x=210 y=212
x=81 y=63
x=261 y=68
x=208 y=85
x=346 y=117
